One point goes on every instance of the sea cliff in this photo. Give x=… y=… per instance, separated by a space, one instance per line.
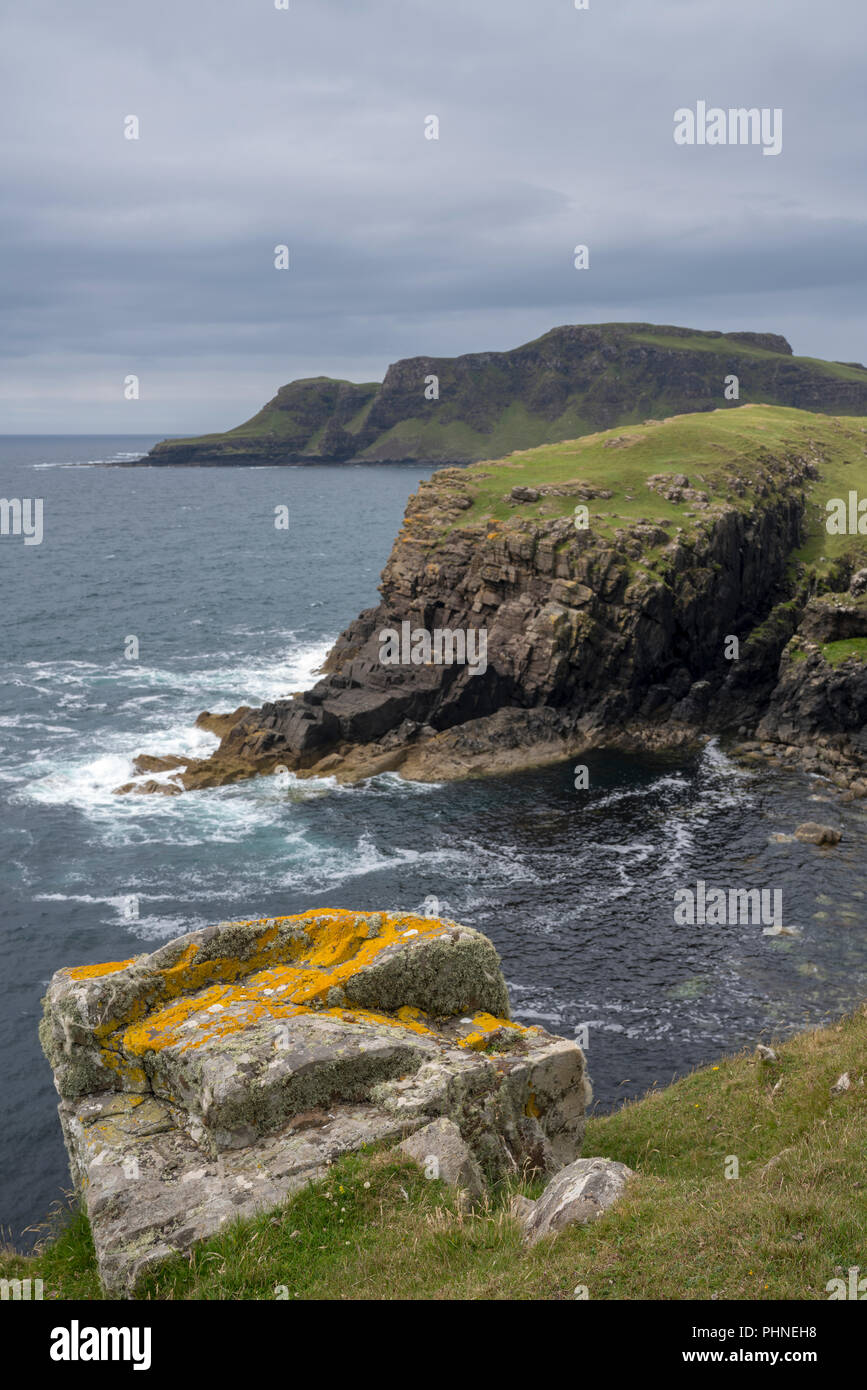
x=641 y=587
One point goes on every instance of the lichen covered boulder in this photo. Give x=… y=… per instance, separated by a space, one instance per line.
x=218 y=1074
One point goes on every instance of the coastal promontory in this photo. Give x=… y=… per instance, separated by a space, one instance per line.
x=643 y=587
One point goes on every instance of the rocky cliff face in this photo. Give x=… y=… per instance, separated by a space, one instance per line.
x=663 y=614
x=569 y=626
x=573 y=381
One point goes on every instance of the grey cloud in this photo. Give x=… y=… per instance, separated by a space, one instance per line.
x=306 y=127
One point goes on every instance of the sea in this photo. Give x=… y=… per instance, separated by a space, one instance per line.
x=576 y=887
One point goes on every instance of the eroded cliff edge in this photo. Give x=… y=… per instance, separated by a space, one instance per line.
x=615 y=631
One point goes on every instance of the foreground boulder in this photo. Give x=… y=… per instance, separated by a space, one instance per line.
x=222 y=1072
x=439 y=1149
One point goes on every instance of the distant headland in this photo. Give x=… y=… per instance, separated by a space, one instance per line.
x=573 y=381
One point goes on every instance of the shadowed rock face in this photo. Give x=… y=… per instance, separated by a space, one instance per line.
x=215 y=1076
x=567 y=625
x=813 y=697
x=573 y=380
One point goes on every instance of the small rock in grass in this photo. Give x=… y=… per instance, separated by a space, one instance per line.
x=581 y=1192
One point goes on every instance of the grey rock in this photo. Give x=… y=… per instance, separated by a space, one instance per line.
x=580 y=1193
x=439 y=1149
x=216 y=1076
x=858 y=583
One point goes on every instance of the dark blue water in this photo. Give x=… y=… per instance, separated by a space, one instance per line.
x=575 y=888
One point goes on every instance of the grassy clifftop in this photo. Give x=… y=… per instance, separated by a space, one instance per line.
x=793 y=1218
x=572 y=381
x=729 y=457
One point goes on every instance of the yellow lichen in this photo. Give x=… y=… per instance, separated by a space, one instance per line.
x=484 y=1026
x=194 y=1002
x=93 y=972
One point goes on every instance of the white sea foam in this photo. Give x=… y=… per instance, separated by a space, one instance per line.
x=89 y=783
x=713 y=757
x=671 y=782
x=540 y=1015
x=165 y=928
x=119 y=457
x=232 y=675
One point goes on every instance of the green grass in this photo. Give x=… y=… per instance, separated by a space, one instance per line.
x=844 y=467
x=706 y=447
x=746 y=443
x=725 y=347
x=358 y=419
x=441 y=438
x=273 y=423
x=855 y=648
x=66 y=1262
x=841 y=371
x=376 y=1229
x=697 y=342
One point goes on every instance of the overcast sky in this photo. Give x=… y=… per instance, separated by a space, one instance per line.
x=261 y=126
